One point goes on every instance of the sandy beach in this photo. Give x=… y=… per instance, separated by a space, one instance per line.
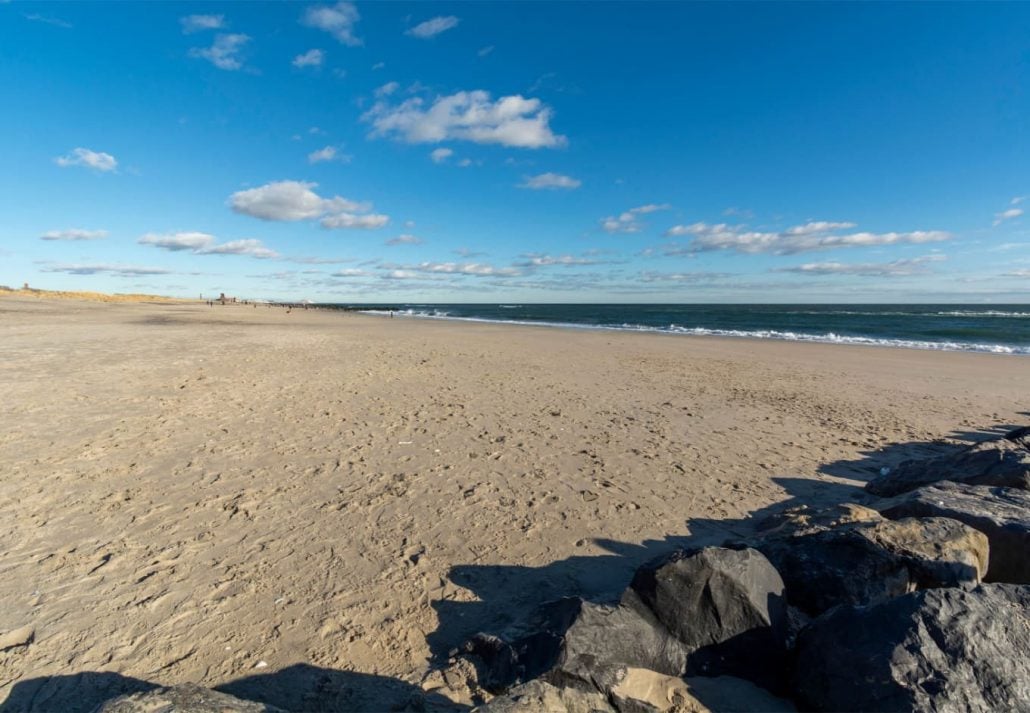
x=329 y=502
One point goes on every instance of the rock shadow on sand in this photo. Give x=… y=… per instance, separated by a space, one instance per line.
x=508 y=594
x=300 y=687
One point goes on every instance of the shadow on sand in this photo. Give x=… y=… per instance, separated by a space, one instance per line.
x=506 y=595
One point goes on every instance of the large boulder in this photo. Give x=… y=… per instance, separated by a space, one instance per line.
x=1002 y=514
x=642 y=691
x=852 y=555
x=187 y=698
x=938 y=650
x=1002 y=462
x=571 y=642
x=712 y=611
x=725 y=606
x=542 y=697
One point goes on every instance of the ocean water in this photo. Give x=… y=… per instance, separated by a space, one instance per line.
x=1001 y=329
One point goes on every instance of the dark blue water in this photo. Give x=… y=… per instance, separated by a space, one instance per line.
x=1003 y=329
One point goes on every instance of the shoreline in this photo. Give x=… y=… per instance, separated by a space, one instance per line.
x=754 y=335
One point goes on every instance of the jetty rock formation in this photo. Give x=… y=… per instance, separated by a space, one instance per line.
x=1001 y=462
x=187 y=698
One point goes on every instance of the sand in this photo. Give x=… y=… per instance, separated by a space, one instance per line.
x=194 y=493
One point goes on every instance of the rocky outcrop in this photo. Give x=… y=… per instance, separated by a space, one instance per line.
x=935 y=650
x=712 y=611
x=1003 y=462
x=851 y=555
x=577 y=643
x=726 y=607
x=641 y=691
x=188 y=698
x=1001 y=514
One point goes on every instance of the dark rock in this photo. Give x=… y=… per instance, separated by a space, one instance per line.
x=188 y=698
x=1002 y=514
x=1020 y=436
x=936 y=650
x=805 y=520
x=868 y=559
x=537 y=696
x=578 y=643
x=642 y=691
x=725 y=606
x=1001 y=462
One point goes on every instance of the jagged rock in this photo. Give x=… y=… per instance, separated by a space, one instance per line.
x=188 y=698
x=806 y=520
x=938 y=650
x=1001 y=462
x=650 y=692
x=725 y=606
x=868 y=559
x=543 y=697
x=1002 y=514
x=642 y=691
x=574 y=642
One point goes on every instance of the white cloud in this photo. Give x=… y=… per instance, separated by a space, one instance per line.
x=628 y=222
x=55 y=21
x=802 y=238
x=311 y=58
x=204 y=244
x=251 y=247
x=290 y=201
x=351 y=272
x=550 y=181
x=73 y=234
x=338 y=20
x=224 y=52
x=377 y=66
x=97 y=160
x=440 y=155
x=897 y=268
x=538 y=260
x=1022 y=272
x=387 y=89
x=115 y=269
x=467 y=116
x=369 y=221
x=433 y=27
x=483 y=52
x=197 y=23
x=329 y=153
x=404 y=239
x=465 y=162
x=466 y=268
x=176 y=242
x=1017 y=200
x=1009 y=214
x=682 y=276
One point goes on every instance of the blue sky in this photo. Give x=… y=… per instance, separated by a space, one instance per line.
x=493 y=152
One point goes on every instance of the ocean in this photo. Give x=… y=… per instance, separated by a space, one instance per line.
x=999 y=329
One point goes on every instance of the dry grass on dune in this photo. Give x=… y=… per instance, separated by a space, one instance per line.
x=90 y=296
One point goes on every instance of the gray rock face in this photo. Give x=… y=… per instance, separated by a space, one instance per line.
x=725 y=606
x=705 y=612
x=188 y=698
x=867 y=559
x=938 y=650
x=1003 y=462
x=540 y=697
x=576 y=643
x=1002 y=514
